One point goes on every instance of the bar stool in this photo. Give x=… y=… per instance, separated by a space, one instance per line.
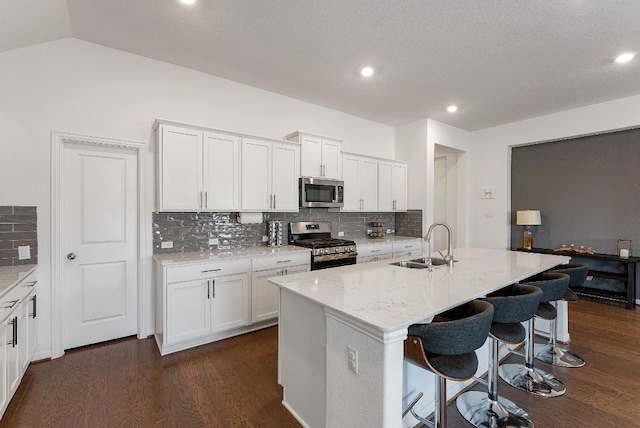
x=512 y=305
x=550 y=352
x=525 y=376
x=446 y=347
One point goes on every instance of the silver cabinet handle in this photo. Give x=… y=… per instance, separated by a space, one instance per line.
x=208 y=290
x=201 y=196
x=71 y=256
x=13 y=303
x=274 y=202
x=213 y=288
x=206 y=200
x=211 y=270
x=31 y=284
x=283 y=261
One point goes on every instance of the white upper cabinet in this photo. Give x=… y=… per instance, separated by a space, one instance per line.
x=270 y=172
x=179 y=168
x=197 y=170
x=360 y=176
x=392 y=186
x=320 y=156
x=221 y=172
x=400 y=186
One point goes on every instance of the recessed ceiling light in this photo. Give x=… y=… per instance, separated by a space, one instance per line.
x=625 y=57
x=188 y=1
x=452 y=109
x=367 y=71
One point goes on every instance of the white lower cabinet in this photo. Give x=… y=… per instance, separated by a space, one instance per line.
x=17 y=336
x=408 y=248
x=265 y=297
x=375 y=252
x=198 y=303
x=201 y=299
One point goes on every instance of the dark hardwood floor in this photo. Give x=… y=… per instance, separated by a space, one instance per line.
x=233 y=382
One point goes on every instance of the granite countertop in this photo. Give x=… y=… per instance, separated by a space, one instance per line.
x=11 y=275
x=385 y=240
x=222 y=255
x=389 y=298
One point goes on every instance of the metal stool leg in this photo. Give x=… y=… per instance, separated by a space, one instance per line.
x=552 y=354
x=440 y=416
x=488 y=409
x=528 y=378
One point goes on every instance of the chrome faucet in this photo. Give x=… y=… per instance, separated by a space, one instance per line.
x=449 y=257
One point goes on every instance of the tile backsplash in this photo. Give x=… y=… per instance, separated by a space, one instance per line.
x=18 y=227
x=192 y=231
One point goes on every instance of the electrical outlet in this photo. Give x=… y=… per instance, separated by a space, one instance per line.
x=352 y=360
x=213 y=241
x=166 y=244
x=369 y=231
x=389 y=231
x=24 y=252
x=341 y=233
x=265 y=238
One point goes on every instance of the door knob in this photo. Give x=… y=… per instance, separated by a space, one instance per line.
x=71 y=256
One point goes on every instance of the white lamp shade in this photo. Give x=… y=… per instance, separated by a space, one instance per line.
x=528 y=218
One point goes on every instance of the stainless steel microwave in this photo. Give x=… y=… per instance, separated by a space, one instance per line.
x=321 y=193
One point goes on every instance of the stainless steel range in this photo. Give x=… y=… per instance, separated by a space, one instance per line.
x=326 y=251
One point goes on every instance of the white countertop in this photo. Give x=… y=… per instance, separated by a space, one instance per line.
x=11 y=275
x=390 y=298
x=386 y=240
x=222 y=255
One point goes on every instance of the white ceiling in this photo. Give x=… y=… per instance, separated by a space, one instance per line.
x=499 y=60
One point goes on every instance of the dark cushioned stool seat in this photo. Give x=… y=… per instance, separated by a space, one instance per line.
x=512 y=305
x=550 y=352
x=525 y=376
x=446 y=346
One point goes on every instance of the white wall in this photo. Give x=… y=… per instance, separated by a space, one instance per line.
x=489 y=219
x=416 y=143
x=81 y=88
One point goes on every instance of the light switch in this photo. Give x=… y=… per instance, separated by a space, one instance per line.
x=487 y=193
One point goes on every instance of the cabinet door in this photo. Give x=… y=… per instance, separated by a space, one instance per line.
x=179 y=169
x=5 y=336
x=369 y=184
x=229 y=302
x=385 y=186
x=332 y=159
x=285 y=174
x=350 y=176
x=188 y=310
x=24 y=334
x=256 y=175
x=311 y=156
x=221 y=172
x=400 y=187
x=13 y=356
x=264 y=295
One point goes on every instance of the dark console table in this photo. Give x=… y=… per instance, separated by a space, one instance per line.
x=610 y=277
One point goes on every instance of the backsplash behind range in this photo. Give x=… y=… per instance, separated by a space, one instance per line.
x=192 y=231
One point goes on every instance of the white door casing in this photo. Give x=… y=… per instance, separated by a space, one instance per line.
x=97 y=215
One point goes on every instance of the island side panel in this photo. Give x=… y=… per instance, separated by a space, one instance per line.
x=372 y=397
x=302 y=358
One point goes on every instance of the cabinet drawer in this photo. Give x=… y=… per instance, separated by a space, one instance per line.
x=206 y=270
x=374 y=250
x=399 y=247
x=281 y=261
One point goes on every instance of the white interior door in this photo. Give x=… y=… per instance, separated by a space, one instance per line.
x=100 y=273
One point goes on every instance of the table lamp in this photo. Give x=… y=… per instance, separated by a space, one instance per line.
x=528 y=218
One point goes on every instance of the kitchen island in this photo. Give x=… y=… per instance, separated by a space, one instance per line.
x=341 y=330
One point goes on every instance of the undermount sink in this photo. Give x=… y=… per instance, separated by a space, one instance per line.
x=434 y=262
x=410 y=264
